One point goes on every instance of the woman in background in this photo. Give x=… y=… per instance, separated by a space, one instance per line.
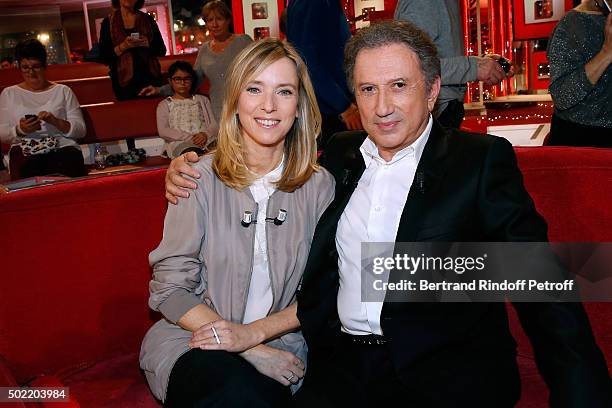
x=41 y=120
x=226 y=272
x=130 y=43
x=580 y=56
x=215 y=55
x=184 y=120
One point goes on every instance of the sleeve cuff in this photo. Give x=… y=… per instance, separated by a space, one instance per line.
x=473 y=69
x=177 y=304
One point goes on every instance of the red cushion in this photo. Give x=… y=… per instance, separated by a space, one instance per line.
x=116 y=383
x=572 y=189
x=75 y=271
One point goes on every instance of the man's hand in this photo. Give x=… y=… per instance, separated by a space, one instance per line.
x=29 y=125
x=149 y=90
x=175 y=182
x=351 y=118
x=200 y=139
x=231 y=337
x=279 y=365
x=489 y=70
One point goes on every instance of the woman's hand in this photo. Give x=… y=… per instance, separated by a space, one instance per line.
x=30 y=125
x=279 y=365
x=130 y=42
x=62 y=125
x=200 y=139
x=149 y=90
x=225 y=335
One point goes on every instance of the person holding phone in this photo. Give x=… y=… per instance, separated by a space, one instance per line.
x=130 y=43
x=41 y=120
x=441 y=20
x=580 y=57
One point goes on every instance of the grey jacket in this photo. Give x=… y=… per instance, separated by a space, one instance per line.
x=441 y=19
x=206 y=255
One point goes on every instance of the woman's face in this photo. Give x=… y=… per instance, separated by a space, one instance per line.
x=217 y=24
x=33 y=72
x=267 y=106
x=181 y=82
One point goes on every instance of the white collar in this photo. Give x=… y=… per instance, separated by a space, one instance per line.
x=369 y=151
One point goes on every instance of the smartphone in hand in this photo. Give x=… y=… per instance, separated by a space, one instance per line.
x=135 y=36
x=28 y=117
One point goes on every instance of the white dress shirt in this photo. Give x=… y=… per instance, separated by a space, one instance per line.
x=372 y=215
x=259 y=298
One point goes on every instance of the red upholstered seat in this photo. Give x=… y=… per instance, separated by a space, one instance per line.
x=572 y=189
x=113 y=383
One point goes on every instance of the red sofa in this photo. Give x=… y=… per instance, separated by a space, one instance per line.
x=73 y=300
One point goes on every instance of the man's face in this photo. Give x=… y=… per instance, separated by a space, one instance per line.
x=391 y=96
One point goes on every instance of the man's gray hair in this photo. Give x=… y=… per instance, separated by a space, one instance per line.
x=393 y=32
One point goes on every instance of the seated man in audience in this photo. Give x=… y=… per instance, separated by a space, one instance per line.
x=409 y=179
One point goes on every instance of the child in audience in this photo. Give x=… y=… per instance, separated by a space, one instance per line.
x=185 y=120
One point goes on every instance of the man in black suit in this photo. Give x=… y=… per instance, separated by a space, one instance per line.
x=412 y=180
x=408 y=179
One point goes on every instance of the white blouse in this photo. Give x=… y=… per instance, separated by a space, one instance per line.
x=259 y=299
x=16 y=102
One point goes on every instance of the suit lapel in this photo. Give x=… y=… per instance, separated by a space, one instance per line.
x=429 y=173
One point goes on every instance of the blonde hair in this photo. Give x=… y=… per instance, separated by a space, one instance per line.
x=300 y=143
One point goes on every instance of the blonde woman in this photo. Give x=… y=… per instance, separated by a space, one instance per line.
x=228 y=267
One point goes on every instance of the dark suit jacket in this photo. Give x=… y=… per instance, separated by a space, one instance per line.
x=468 y=188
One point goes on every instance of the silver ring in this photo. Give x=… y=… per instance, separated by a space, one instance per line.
x=290 y=377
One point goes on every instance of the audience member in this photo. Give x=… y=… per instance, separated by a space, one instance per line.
x=215 y=55
x=41 y=120
x=130 y=43
x=6 y=62
x=580 y=57
x=319 y=30
x=441 y=19
x=229 y=334
x=184 y=120
x=409 y=179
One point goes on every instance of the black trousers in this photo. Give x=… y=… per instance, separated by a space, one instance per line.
x=67 y=161
x=566 y=133
x=221 y=379
x=365 y=376
x=452 y=115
